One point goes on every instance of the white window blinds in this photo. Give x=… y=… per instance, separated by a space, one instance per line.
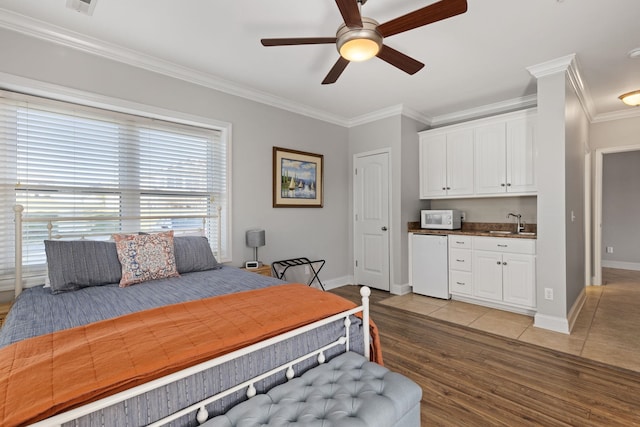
x=65 y=160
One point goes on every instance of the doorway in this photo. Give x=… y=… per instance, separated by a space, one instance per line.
x=371 y=219
x=597 y=235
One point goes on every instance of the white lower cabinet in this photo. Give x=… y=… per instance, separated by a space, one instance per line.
x=460 y=265
x=498 y=271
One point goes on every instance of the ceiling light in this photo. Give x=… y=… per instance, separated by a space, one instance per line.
x=359 y=44
x=635 y=53
x=631 y=98
x=82 y=6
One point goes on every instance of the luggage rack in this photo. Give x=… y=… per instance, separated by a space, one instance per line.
x=294 y=262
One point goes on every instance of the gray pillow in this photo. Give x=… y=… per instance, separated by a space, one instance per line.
x=81 y=263
x=193 y=253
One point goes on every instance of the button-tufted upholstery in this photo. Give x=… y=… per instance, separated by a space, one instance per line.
x=347 y=391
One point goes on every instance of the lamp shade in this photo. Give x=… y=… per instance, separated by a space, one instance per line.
x=256 y=238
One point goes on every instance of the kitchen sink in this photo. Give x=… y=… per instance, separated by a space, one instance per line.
x=500 y=232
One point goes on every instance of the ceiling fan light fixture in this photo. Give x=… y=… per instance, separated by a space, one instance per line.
x=631 y=98
x=359 y=44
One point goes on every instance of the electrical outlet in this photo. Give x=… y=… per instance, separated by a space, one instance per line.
x=548 y=294
x=609 y=249
x=463 y=215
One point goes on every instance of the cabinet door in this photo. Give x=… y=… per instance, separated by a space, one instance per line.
x=521 y=155
x=460 y=163
x=490 y=159
x=518 y=274
x=487 y=275
x=433 y=165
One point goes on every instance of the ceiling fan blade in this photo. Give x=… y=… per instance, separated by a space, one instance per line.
x=297 y=41
x=399 y=60
x=434 y=12
x=350 y=13
x=335 y=72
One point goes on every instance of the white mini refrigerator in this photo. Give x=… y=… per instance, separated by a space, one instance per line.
x=430 y=266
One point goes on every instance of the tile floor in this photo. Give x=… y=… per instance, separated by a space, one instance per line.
x=606 y=329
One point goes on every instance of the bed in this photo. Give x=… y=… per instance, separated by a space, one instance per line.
x=88 y=352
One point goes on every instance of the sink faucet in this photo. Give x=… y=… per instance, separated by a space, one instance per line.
x=520 y=224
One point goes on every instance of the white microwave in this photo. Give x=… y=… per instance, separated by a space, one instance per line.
x=449 y=219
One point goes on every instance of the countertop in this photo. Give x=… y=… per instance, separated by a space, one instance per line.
x=479 y=229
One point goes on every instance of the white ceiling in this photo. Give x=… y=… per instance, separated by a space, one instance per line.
x=472 y=60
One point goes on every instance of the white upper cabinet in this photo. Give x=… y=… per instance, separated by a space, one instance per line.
x=521 y=155
x=490 y=161
x=485 y=157
x=446 y=164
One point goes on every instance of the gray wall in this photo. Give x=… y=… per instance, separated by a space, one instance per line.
x=551 y=266
x=321 y=233
x=410 y=188
x=493 y=209
x=576 y=143
x=621 y=209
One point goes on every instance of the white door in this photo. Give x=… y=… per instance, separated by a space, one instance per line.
x=371 y=220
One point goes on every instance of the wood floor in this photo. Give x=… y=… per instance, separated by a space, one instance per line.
x=474 y=378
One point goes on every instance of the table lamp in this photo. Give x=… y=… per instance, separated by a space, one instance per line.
x=255 y=239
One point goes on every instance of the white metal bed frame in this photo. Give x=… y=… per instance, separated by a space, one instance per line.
x=199 y=408
x=20 y=219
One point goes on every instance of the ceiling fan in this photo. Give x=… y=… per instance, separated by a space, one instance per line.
x=361 y=38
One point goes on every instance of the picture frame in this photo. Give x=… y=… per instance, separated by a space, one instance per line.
x=298 y=179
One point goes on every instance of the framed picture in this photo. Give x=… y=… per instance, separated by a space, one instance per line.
x=297 y=179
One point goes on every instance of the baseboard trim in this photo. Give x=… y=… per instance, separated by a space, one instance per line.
x=576 y=308
x=337 y=282
x=401 y=289
x=551 y=323
x=621 y=265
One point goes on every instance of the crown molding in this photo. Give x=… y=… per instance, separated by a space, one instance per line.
x=392 y=111
x=51 y=33
x=569 y=65
x=631 y=113
x=509 y=105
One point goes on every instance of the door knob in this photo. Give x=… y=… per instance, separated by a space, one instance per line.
x=384 y=228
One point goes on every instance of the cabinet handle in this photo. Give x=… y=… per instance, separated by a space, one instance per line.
x=508 y=184
x=444 y=188
x=503 y=246
x=448 y=188
x=498 y=263
x=460 y=283
x=504 y=263
x=502 y=185
x=460 y=260
x=460 y=243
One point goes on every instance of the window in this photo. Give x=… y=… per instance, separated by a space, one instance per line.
x=64 y=160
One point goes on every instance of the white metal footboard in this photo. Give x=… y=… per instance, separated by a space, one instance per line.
x=20 y=220
x=199 y=409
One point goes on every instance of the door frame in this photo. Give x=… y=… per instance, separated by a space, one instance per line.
x=387 y=151
x=597 y=225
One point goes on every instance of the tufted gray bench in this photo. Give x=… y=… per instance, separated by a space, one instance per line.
x=346 y=391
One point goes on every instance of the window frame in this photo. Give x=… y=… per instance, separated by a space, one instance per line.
x=111 y=106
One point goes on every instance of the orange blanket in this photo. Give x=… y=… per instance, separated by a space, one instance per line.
x=45 y=375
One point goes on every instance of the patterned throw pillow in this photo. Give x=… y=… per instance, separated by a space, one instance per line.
x=145 y=257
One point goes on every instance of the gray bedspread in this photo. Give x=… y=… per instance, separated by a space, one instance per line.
x=38 y=312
